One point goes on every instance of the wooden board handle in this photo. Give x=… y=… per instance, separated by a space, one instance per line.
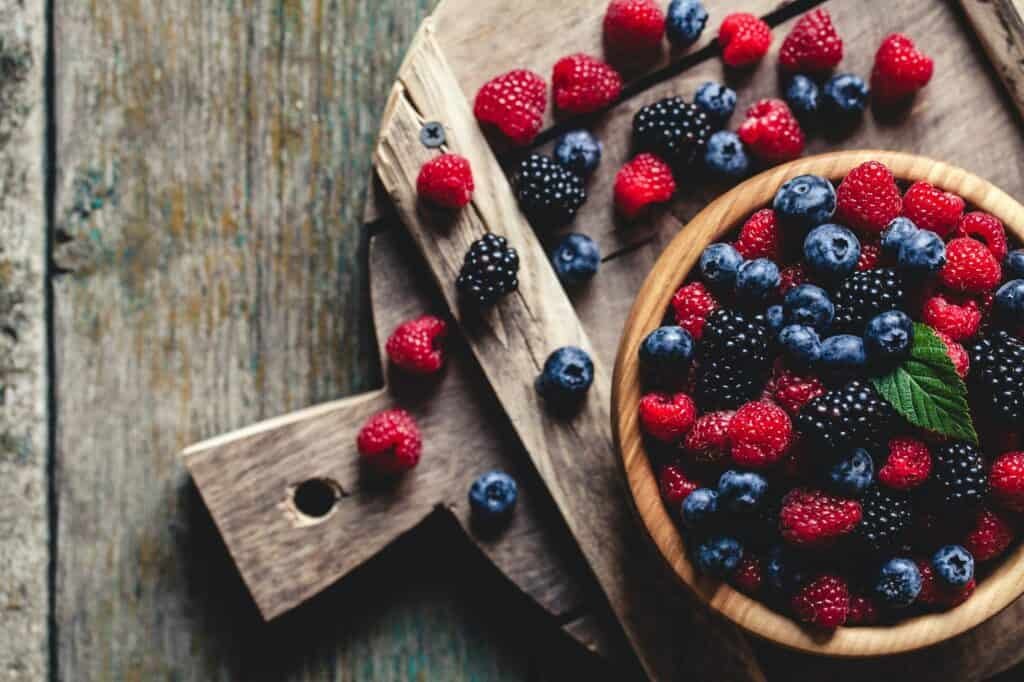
x=1000 y=27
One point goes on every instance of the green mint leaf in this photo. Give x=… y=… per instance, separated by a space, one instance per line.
x=926 y=389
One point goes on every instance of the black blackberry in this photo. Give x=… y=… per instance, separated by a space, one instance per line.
x=674 y=129
x=997 y=376
x=885 y=516
x=488 y=271
x=733 y=360
x=548 y=193
x=851 y=416
x=958 y=476
x=864 y=295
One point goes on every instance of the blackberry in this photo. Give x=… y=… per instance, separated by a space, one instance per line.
x=488 y=271
x=847 y=417
x=863 y=295
x=885 y=516
x=549 y=194
x=959 y=478
x=674 y=129
x=734 y=360
x=996 y=376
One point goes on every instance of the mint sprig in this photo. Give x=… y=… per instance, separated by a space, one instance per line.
x=926 y=389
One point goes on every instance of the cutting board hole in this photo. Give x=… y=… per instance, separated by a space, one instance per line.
x=316 y=498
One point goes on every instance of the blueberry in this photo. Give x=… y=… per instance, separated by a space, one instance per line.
x=576 y=258
x=717 y=101
x=953 y=565
x=579 y=151
x=492 y=497
x=898 y=231
x=719 y=557
x=718 y=266
x=775 y=318
x=1013 y=265
x=801 y=344
x=684 y=22
x=843 y=355
x=844 y=98
x=665 y=355
x=726 y=156
x=757 y=281
x=784 y=570
x=922 y=252
x=740 y=492
x=832 y=251
x=566 y=377
x=898 y=583
x=1009 y=304
x=699 y=508
x=805 y=201
x=888 y=336
x=802 y=95
x=852 y=474
x=809 y=305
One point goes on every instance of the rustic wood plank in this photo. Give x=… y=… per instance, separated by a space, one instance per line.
x=999 y=25
x=24 y=430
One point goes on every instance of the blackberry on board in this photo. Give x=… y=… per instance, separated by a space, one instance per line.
x=674 y=129
x=854 y=415
x=885 y=517
x=864 y=295
x=489 y=271
x=996 y=376
x=734 y=360
x=959 y=477
x=548 y=193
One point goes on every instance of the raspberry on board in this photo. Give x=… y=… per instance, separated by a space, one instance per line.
x=813 y=45
x=930 y=208
x=692 y=303
x=907 y=465
x=446 y=181
x=643 y=181
x=868 y=198
x=667 y=417
x=987 y=229
x=957 y=317
x=514 y=103
x=1007 y=481
x=900 y=69
x=760 y=237
x=634 y=28
x=760 y=433
x=417 y=345
x=744 y=39
x=674 y=485
x=771 y=132
x=708 y=440
x=390 y=442
x=811 y=518
x=823 y=602
x=970 y=267
x=582 y=84
x=990 y=535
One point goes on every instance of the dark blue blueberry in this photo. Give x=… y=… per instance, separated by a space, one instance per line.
x=844 y=98
x=832 y=251
x=740 y=492
x=852 y=474
x=757 y=281
x=801 y=344
x=888 y=336
x=953 y=565
x=1013 y=265
x=717 y=101
x=898 y=583
x=809 y=305
x=684 y=22
x=576 y=258
x=566 y=377
x=1009 y=304
x=802 y=95
x=898 y=231
x=699 y=508
x=718 y=266
x=923 y=252
x=726 y=156
x=775 y=318
x=805 y=201
x=843 y=355
x=493 y=495
x=719 y=557
x=579 y=151
x=784 y=570
x=665 y=355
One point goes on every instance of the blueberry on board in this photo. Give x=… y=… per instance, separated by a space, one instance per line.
x=579 y=151
x=1013 y=265
x=492 y=497
x=953 y=565
x=832 y=251
x=757 y=281
x=775 y=319
x=896 y=233
x=784 y=570
x=718 y=557
x=684 y=22
x=898 y=583
x=888 y=336
x=843 y=355
x=665 y=355
x=719 y=264
x=1009 y=303
x=576 y=258
x=923 y=252
x=844 y=98
x=851 y=475
x=726 y=156
x=717 y=101
x=809 y=305
x=741 y=492
x=699 y=508
x=801 y=344
x=802 y=96
x=805 y=201
x=566 y=376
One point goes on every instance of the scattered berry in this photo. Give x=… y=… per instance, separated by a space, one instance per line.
x=633 y=27
x=685 y=22
x=990 y=535
x=957 y=355
x=674 y=129
x=489 y=271
x=719 y=557
x=771 y=132
x=803 y=97
x=811 y=518
x=674 y=485
x=970 y=267
x=804 y=202
x=907 y=465
x=957 y=317
x=900 y=69
x=665 y=355
x=868 y=198
x=643 y=181
x=844 y=98
x=824 y=602
x=744 y=38
x=932 y=209
x=898 y=583
x=416 y=345
x=987 y=229
x=812 y=45
x=390 y=442
x=832 y=251
x=576 y=258
x=581 y=84
x=726 y=155
x=548 y=193
x=566 y=377
x=579 y=151
x=692 y=304
x=708 y=440
x=793 y=391
x=666 y=417
x=492 y=497
x=514 y=103
x=446 y=181
x=718 y=266
x=1007 y=480
x=717 y=101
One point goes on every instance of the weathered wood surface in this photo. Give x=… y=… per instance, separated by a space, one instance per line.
x=999 y=25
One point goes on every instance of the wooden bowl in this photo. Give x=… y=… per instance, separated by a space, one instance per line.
x=1002 y=586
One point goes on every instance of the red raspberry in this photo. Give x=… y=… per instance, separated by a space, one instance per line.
x=957 y=317
x=643 y=181
x=760 y=236
x=812 y=518
x=667 y=417
x=932 y=209
x=970 y=267
x=708 y=440
x=446 y=181
x=792 y=391
x=813 y=45
x=692 y=304
x=1007 y=480
x=514 y=103
x=791 y=276
x=908 y=464
x=674 y=485
x=938 y=595
x=582 y=84
x=759 y=434
x=416 y=345
x=744 y=38
x=390 y=442
x=957 y=354
x=862 y=611
x=990 y=535
x=824 y=602
x=868 y=199
x=749 y=575
x=900 y=69
x=987 y=229
x=870 y=255
x=633 y=27
x=771 y=132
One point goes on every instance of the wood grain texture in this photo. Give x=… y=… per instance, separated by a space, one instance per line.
x=999 y=25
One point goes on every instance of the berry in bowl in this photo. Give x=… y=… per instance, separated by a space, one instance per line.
x=819 y=403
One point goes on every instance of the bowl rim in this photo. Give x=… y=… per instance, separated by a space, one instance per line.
x=1005 y=583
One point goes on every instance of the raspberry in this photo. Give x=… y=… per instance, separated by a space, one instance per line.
x=957 y=317
x=446 y=181
x=868 y=199
x=760 y=237
x=674 y=485
x=937 y=594
x=759 y=434
x=1007 y=480
x=514 y=103
x=862 y=611
x=582 y=84
x=990 y=535
x=667 y=417
x=791 y=276
x=957 y=355
x=692 y=303
x=643 y=181
x=771 y=132
x=744 y=38
x=390 y=442
x=749 y=576
x=907 y=465
x=970 y=267
x=870 y=256
x=633 y=27
x=813 y=519
x=932 y=209
x=900 y=69
x=793 y=391
x=708 y=440
x=416 y=346
x=824 y=602
x=987 y=229
x=813 y=45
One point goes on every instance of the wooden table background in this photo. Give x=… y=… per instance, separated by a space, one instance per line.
x=181 y=253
